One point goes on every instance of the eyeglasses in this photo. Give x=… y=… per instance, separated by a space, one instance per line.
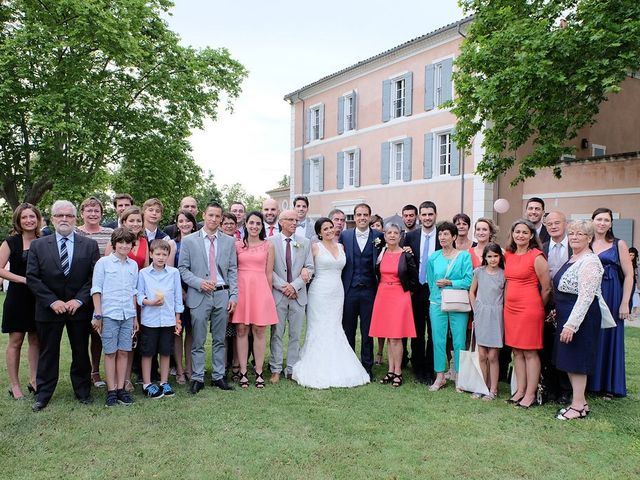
x=64 y=215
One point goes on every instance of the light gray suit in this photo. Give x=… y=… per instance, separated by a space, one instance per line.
x=205 y=307
x=289 y=310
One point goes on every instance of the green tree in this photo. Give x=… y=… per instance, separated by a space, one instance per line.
x=100 y=92
x=285 y=181
x=237 y=193
x=208 y=191
x=524 y=75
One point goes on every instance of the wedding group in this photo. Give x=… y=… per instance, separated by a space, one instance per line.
x=141 y=300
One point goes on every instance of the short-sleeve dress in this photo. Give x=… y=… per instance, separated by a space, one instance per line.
x=487 y=316
x=256 y=305
x=19 y=312
x=523 y=308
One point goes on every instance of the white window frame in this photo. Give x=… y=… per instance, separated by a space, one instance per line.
x=349 y=169
x=595 y=146
x=437 y=85
x=439 y=156
x=315 y=123
x=398 y=104
x=348 y=109
x=396 y=161
x=314 y=175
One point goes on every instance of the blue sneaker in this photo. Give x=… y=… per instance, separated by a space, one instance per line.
x=153 y=391
x=166 y=390
x=112 y=399
x=124 y=397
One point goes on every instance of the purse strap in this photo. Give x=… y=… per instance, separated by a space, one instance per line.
x=453 y=260
x=472 y=341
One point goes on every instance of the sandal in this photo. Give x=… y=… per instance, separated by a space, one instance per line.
x=259 y=380
x=515 y=400
x=97 y=381
x=476 y=395
x=128 y=386
x=490 y=396
x=180 y=379
x=581 y=414
x=388 y=378
x=437 y=385
x=585 y=408
x=235 y=372
x=244 y=380
x=397 y=381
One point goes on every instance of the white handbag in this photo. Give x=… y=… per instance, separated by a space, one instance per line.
x=470 y=378
x=454 y=299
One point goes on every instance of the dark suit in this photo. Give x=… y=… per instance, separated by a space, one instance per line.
x=112 y=224
x=46 y=279
x=172 y=230
x=422 y=345
x=359 y=282
x=544 y=235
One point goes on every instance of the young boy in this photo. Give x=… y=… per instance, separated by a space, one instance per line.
x=152 y=213
x=114 y=304
x=160 y=296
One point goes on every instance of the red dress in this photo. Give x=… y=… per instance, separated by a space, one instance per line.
x=476 y=261
x=392 y=314
x=523 y=308
x=256 y=305
x=142 y=254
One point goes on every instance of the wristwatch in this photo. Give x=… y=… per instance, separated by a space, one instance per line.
x=97 y=316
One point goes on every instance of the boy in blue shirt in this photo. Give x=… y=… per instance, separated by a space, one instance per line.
x=114 y=305
x=160 y=296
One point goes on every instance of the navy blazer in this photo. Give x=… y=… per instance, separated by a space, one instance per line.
x=348 y=240
x=412 y=239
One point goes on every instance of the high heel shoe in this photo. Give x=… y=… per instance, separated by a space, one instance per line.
x=14 y=396
x=244 y=380
x=388 y=378
x=259 y=380
x=515 y=401
x=437 y=385
x=397 y=380
x=31 y=389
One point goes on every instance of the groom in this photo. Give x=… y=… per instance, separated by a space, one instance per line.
x=362 y=246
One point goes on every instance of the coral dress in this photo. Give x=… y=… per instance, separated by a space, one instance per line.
x=255 y=300
x=392 y=313
x=523 y=308
x=140 y=257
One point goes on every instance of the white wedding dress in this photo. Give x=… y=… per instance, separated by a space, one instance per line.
x=326 y=359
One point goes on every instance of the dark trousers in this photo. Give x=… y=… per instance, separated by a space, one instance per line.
x=50 y=335
x=422 y=345
x=359 y=303
x=555 y=382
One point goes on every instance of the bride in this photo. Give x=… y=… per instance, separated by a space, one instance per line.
x=326 y=359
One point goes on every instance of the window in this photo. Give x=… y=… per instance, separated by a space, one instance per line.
x=315 y=123
x=397 y=97
x=397 y=161
x=598 y=150
x=438 y=83
x=315 y=175
x=314 y=128
x=444 y=154
x=347 y=112
x=348 y=169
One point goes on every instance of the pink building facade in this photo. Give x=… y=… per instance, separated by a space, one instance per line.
x=376 y=132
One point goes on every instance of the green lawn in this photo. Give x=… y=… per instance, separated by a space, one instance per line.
x=290 y=432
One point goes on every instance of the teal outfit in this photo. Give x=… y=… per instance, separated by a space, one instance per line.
x=461 y=275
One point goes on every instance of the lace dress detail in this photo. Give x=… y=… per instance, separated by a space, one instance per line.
x=583 y=279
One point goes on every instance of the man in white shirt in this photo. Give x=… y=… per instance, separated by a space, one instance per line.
x=270 y=212
x=237 y=208
x=305 y=225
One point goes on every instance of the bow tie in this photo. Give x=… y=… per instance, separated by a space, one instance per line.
x=361 y=235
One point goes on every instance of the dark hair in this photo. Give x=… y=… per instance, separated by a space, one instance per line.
x=535 y=200
x=15 y=220
x=261 y=235
x=634 y=261
x=301 y=198
x=160 y=244
x=122 y=196
x=462 y=216
x=609 y=235
x=362 y=205
x=191 y=218
x=495 y=248
x=213 y=205
x=410 y=207
x=318 y=225
x=229 y=216
x=236 y=202
x=133 y=210
x=450 y=227
x=334 y=211
x=122 y=235
x=376 y=218
x=533 y=243
x=428 y=204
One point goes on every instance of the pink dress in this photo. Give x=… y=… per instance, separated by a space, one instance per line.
x=255 y=300
x=392 y=313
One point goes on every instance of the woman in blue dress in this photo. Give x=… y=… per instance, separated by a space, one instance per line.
x=617 y=282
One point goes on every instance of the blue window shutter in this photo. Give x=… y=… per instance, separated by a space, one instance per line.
x=386 y=99
x=340 y=170
x=455 y=157
x=356 y=168
x=428 y=155
x=429 y=87
x=307 y=126
x=406 y=161
x=408 y=94
x=340 y=115
x=384 y=163
x=447 y=85
x=321 y=129
x=321 y=173
x=306 y=176
x=355 y=110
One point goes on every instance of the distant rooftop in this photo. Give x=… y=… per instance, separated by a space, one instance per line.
x=451 y=26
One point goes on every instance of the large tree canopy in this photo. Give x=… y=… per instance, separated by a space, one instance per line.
x=95 y=88
x=523 y=74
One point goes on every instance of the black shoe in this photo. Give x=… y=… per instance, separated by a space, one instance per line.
x=371 y=377
x=564 y=399
x=196 y=386
x=31 y=389
x=37 y=406
x=221 y=384
x=88 y=400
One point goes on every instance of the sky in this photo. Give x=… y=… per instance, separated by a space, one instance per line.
x=285 y=45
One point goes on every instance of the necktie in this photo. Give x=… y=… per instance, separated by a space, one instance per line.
x=555 y=260
x=238 y=235
x=271 y=230
x=287 y=258
x=423 y=261
x=64 y=257
x=213 y=271
x=362 y=235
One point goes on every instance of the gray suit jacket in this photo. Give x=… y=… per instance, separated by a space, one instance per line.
x=194 y=266
x=309 y=229
x=300 y=258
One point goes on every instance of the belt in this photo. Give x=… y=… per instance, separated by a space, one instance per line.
x=221 y=287
x=392 y=283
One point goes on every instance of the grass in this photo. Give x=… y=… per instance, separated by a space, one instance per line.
x=290 y=432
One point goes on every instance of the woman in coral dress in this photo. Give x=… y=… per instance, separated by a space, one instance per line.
x=392 y=315
x=256 y=307
x=527 y=290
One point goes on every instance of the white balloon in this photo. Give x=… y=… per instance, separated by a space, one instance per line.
x=501 y=205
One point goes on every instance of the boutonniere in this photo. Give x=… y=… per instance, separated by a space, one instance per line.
x=377 y=242
x=295 y=244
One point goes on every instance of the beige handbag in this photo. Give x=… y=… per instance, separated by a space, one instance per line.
x=454 y=299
